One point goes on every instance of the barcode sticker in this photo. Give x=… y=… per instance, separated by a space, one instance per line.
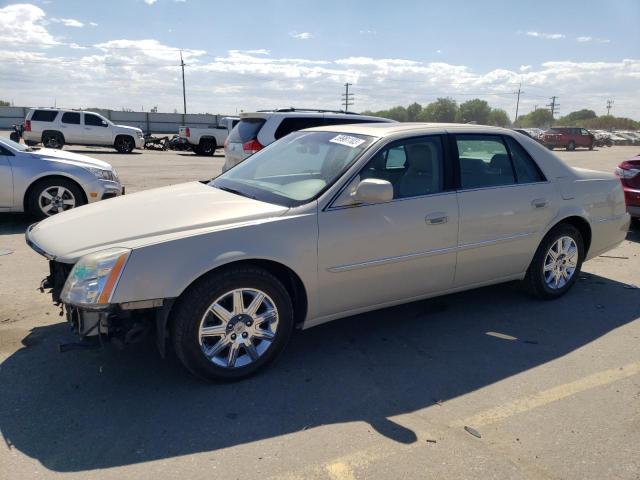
x=347 y=140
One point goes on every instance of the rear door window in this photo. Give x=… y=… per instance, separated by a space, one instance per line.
x=71 y=118
x=526 y=169
x=293 y=124
x=247 y=129
x=484 y=161
x=44 y=116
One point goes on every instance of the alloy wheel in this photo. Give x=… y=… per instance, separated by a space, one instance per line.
x=560 y=263
x=238 y=328
x=56 y=199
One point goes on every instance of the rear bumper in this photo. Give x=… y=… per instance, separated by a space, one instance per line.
x=632 y=199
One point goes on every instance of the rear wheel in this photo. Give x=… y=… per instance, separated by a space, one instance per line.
x=556 y=264
x=124 y=144
x=53 y=195
x=52 y=140
x=571 y=146
x=232 y=323
x=206 y=147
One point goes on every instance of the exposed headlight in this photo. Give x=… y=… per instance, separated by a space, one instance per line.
x=93 y=278
x=103 y=174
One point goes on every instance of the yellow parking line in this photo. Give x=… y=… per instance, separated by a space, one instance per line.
x=554 y=394
x=340 y=471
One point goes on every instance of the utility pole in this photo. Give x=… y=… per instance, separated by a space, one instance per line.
x=609 y=106
x=184 y=93
x=553 y=106
x=347 y=98
x=519 y=92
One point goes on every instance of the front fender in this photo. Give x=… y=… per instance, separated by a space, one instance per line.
x=165 y=270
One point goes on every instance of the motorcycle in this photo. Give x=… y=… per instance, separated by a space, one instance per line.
x=16 y=135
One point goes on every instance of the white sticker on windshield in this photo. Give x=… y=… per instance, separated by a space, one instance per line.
x=347 y=140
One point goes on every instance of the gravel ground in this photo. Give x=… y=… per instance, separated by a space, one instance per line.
x=552 y=388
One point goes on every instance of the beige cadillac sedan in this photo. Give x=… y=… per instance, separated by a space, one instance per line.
x=322 y=224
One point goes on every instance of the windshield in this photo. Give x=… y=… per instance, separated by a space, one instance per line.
x=294 y=169
x=14 y=145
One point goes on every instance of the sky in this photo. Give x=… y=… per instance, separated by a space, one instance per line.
x=247 y=55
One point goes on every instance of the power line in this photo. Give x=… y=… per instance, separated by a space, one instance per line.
x=347 y=98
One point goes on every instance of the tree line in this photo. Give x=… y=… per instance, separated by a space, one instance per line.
x=447 y=110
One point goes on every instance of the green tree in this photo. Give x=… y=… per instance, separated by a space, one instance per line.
x=413 y=112
x=499 y=117
x=475 y=110
x=443 y=110
x=574 y=118
x=4 y=104
x=608 y=122
x=540 y=118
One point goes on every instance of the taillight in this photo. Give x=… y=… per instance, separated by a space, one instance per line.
x=629 y=173
x=251 y=147
x=187 y=132
x=27 y=125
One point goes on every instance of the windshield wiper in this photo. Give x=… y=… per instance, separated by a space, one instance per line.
x=237 y=192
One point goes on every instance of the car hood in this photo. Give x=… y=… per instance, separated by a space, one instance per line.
x=69 y=157
x=127 y=128
x=151 y=216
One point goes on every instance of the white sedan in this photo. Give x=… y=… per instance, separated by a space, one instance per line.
x=43 y=181
x=323 y=224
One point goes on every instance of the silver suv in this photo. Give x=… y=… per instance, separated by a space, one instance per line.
x=55 y=128
x=258 y=129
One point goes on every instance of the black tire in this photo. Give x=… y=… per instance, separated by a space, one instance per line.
x=550 y=147
x=534 y=281
x=53 y=140
x=193 y=304
x=124 y=144
x=33 y=205
x=14 y=136
x=591 y=147
x=571 y=146
x=206 y=147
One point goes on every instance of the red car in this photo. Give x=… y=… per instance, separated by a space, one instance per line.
x=629 y=173
x=568 y=137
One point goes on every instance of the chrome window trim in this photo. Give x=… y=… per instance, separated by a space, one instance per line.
x=493 y=187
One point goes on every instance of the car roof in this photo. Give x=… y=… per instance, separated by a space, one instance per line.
x=387 y=129
x=309 y=113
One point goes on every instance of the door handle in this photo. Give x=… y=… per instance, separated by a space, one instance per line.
x=539 y=203
x=436 y=219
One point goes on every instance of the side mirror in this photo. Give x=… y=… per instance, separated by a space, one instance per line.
x=373 y=190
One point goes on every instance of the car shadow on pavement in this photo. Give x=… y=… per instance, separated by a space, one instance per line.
x=86 y=410
x=11 y=224
x=85 y=151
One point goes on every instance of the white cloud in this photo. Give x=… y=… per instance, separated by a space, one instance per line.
x=24 y=24
x=129 y=73
x=150 y=2
x=93 y=24
x=301 y=36
x=587 y=39
x=68 y=22
x=548 y=36
x=367 y=32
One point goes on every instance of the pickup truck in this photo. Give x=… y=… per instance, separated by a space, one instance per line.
x=204 y=141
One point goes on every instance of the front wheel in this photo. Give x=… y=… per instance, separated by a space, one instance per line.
x=52 y=140
x=53 y=195
x=232 y=323
x=124 y=144
x=556 y=264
